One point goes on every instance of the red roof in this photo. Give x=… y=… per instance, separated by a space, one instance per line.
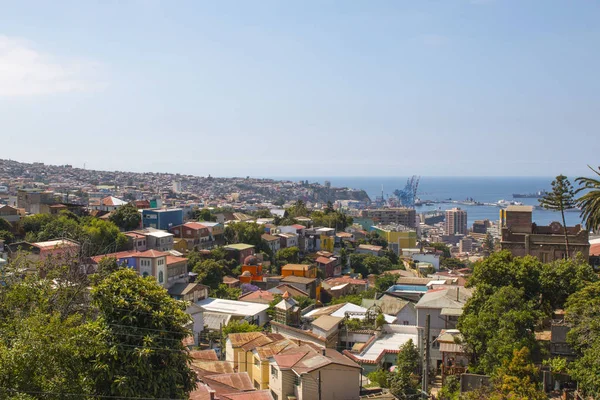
x=195 y=225
x=595 y=249
x=263 y=295
x=174 y=260
x=298 y=226
x=324 y=260
x=253 y=395
x=119 y=255
x=209 y=355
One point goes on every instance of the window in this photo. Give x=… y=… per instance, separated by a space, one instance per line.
x=176 y=231
x=256 y=362
x=274 y=371
x=274 y=395
x=297 y=380
x=404 y=322
x=161 y=277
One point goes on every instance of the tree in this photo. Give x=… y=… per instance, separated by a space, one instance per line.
x=142 y=328
x=452 y=263
x=384 y=281
x=561 y=278
x=298 y=210
x=225 y=292
x=561 y=198
x=495 y=322
x=488 y=244
x=5 y=225
x=126 y=217
x=589 y=202
x=7 y=236
x=240 y=326
x=517 y=379
x=404 y=383
x=393 y=257
x=210 y=273
x=100 y=237
x=289 y=255
x=344 y=257
x=441 y=246
x=375 y=239
x=304 y=301
x=205 y=215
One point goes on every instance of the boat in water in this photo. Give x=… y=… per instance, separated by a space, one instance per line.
x=536 y=195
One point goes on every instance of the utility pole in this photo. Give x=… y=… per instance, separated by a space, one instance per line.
x=425 y=377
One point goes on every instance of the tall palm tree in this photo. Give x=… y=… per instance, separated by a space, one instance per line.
x=589 y=202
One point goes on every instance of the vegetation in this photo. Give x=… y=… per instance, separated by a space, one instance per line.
x=225 y=292
x=355 y=298
x=589 y=202
x=561 y=198
x=384 y=281
x=126 y=217
x=366 y=264
x=512 y=294
x=405 y=382
x=240 y=326
x=125 y=340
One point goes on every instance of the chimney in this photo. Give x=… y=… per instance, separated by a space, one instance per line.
x=323 y=351
x=211 y=393
x=457 y=292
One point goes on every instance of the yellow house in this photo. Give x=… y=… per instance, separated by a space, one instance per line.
x=327 y=243
x=234 y=351
x=180 y=245
x=398 y=239
x=258 y=358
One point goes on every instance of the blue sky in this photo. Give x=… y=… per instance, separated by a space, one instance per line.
x=304 y=88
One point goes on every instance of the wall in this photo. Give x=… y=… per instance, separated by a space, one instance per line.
x=349 y=390
x=409 y=314
x=281 y=384
x=433 y=259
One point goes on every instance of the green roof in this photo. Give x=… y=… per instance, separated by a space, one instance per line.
x=239 y=246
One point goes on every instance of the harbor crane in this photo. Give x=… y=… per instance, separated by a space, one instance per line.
x=408 y=195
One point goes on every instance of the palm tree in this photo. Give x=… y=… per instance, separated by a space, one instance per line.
x=560 y=198
x=590 y=201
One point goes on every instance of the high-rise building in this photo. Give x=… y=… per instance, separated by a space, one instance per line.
x=386 y=216
x=456 y=222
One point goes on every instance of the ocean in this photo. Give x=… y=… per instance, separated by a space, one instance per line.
x=481 y=189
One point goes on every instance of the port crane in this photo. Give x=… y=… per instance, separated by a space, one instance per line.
x=408 y=195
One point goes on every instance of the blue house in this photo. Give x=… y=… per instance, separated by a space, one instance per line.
x=162 y=219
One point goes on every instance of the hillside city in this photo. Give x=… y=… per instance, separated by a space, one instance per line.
x=156 y=285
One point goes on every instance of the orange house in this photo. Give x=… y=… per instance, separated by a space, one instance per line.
x=303 y=270
x=251 y=270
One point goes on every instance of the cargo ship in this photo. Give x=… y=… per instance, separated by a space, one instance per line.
x=536 y=195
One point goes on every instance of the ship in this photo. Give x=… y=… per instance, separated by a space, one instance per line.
x=536 y=195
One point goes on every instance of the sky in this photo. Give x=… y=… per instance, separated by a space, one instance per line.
x=303 y=88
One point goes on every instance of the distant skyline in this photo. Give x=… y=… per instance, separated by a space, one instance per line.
x=312 y=88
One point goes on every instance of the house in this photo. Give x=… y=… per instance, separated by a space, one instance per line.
x=195 y=234
x=522 y=237
x=196 y=314
x=454 y=355
x=381 y=350
x=166 y=268
x=216 y=231
x=150 y=239
x=239 y=251
x=342 y=310
x=287 y=311
x=308 y=285
x=163 y=219
x=272 y=242
x=260 y=296
x=41 y=251
x=235 y=343
x=306 y=373
x=252 y=270
x=343 y=285
x=11 y=214
x=287 y=239
x=191 y=292
x=109 y=204
x=136 y=241
x=252 y=312
x=369 y=249
x=231 y=282
x=402 y=309
x=444 y=305
x=329 y=266
x=35 y=201
x=285 y=287
x=303 y=270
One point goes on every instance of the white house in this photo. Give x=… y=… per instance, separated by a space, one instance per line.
x=252 y=312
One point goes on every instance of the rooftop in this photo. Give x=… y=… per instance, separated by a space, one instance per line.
x=295 y=267
x=389 y=342
x=239 y=246
x=232 y=307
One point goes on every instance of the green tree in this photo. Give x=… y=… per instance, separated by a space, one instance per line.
x=304 y=301
x=441 y=246
x=452 y=263
x=384 y=281
x=589 y=202
x=225 y=292
x=517 y=379
x=289 y=255
x=496 y=321
x=142 y=328
x=126 y=217
x=5 y=225
x=380 y=378
x=205 y=215
x=298 y=210
x=561 y=278
x=100 y=237
x=240 y=326
x=560 y=198
x=405 y=383
x=488 y=244
x=210 y=273
x=7 y=236
x=393 y=257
